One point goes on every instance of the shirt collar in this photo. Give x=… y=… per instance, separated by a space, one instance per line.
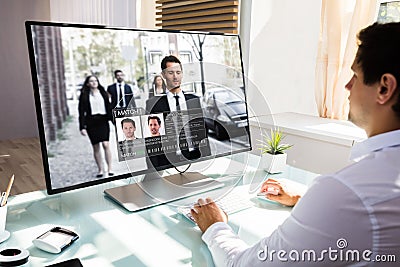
x=171 y=95
x=375 y=143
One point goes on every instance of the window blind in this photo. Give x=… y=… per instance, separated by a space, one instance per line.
x=198 y=15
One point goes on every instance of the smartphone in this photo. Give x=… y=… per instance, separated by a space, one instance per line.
x=68 y=263
x=55 y=240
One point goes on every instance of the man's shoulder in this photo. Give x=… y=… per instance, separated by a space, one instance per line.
x=110 y=87
x=156 y=103
x=192 y=101
x=190 y=96
x=156 y=99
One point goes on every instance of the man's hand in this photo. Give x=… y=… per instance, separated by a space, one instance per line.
x=206 y=213
x=83 y=132
x=283 y=196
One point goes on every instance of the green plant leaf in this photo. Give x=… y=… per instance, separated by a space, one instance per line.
x=272 y=143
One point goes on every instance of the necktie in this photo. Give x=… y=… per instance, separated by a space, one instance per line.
x=178 y=107
x=179 y=119
x=121 y=102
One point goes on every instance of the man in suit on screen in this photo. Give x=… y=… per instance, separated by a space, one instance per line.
x=120 y=92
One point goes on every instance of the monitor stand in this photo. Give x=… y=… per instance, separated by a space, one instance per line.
x=155 y=189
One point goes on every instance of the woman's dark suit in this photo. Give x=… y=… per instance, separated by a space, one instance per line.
x=96 y=125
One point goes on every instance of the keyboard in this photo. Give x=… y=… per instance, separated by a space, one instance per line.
x=231 y=203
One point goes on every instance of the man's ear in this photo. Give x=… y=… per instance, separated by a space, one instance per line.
x=162 y=74
x=387 y=88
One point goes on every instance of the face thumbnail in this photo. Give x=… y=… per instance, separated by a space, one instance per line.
x=154 y=127
x=159 y=81
x=128 y=130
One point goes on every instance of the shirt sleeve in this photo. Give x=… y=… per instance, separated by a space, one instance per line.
x=223 y=243
x=324 y=215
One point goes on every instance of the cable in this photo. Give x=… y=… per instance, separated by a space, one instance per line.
x=184 y=170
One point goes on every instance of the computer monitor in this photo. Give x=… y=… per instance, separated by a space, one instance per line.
x=92 y=130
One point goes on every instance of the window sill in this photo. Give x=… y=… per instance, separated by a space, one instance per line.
x=334 y=131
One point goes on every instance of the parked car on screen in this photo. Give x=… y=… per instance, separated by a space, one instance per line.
x=135 y=90
x=225 y=113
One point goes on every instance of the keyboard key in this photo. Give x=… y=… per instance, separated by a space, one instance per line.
x=231 y=203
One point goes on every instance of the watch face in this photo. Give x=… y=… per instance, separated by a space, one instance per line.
x=13 y=256
x=56 y=239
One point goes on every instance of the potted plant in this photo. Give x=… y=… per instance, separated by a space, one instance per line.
x=273 y=156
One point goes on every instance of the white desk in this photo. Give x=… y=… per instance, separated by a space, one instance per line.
x=111 y=236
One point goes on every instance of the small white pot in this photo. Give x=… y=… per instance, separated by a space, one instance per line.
x=273 y=163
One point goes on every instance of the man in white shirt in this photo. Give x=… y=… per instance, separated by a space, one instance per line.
x=349 y=218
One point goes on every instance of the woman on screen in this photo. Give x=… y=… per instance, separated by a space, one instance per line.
x=158 y=87
x=94 y=114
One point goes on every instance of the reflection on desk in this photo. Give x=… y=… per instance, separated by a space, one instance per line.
x=159 y=236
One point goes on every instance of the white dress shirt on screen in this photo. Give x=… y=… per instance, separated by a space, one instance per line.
x=97 y=103
x=172 y=101
x=121 y=94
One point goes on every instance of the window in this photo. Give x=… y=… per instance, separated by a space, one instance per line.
x=389 y=12
x=185 y=56
x=155 y=57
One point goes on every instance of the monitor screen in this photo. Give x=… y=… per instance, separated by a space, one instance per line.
x=113 y=103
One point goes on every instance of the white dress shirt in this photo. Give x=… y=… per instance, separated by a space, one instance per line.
x=172 y=101
x=97 y=103
x=355 y=211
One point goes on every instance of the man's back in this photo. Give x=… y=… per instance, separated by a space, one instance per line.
x=358 y=207
x=375 y=180
x=354 y=212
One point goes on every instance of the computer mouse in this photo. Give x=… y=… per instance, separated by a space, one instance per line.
x=270 y=191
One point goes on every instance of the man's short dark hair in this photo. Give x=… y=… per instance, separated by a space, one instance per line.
x=379 y=53
x=127 y=120
x=116 y=71
x=169 y=58
x=154 y=118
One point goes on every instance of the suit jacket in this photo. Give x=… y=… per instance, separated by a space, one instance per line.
x=85 y=110
x=159 y=104
x=129 y=100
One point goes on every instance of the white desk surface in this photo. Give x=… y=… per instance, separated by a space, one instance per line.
x=112 y=236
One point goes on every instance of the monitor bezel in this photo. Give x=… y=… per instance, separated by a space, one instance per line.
x=39 y=117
